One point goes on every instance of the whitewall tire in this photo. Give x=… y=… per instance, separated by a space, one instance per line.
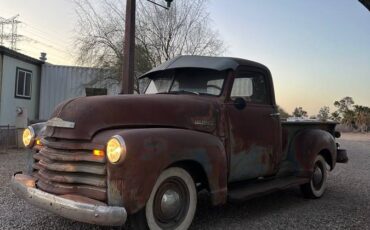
x=316 y=187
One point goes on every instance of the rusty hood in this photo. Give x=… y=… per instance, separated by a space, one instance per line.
x=89 y=115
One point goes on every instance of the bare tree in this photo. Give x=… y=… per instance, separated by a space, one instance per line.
x=160 y=35
x=184 y=29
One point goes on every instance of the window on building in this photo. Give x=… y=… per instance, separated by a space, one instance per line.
x=252 y=87
x=23 y=83
x=95 y=91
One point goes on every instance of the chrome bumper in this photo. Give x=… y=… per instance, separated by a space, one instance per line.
x=82 y=210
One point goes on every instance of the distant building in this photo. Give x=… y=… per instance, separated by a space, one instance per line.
x=60 y=83
x=20 y=78
x=30 y=88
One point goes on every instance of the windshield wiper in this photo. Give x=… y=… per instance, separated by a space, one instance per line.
x=184 y=91
x=179 y=92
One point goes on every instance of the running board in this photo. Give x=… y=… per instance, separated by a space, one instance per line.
x=260 y=188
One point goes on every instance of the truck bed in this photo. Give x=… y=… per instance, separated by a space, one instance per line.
x=290 y=129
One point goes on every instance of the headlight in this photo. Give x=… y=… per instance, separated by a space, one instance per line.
x=116 y=149
x=28 y=136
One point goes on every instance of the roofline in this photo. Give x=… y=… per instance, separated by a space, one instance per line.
x=72 y=66
x=14 y=54
x=203 y=62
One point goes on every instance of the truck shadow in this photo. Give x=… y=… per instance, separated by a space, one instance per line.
x=252 y=210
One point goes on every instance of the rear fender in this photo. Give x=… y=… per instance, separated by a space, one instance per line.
x=307 y=144
x=150 y=151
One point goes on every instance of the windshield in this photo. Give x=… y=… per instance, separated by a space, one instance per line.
x=187 y=81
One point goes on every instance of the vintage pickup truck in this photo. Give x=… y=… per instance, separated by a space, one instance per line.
x=203 y=123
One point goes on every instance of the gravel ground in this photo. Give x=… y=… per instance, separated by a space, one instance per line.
x=346 y=204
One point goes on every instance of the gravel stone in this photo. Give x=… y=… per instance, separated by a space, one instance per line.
x=345 y=205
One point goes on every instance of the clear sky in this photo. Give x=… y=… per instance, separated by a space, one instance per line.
x=318 y=51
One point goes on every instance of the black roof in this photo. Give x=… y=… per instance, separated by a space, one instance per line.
x=204 y=62
x=17 y=55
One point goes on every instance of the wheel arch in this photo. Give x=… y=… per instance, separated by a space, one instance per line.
x=307 y=144
x=328 y=157
x=151 y=151
x=196 y=171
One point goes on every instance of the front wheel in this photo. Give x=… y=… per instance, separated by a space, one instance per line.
x=172 y=202
x=316 y=187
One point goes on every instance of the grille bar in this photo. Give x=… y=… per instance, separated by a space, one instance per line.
x=61 y=155
x=71 y=172
x=60 y=166
x=74 y=178
x=62 y=189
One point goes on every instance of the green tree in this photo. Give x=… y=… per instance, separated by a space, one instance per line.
x=345 y=112
x=362 y=117
x=344 y=104
x=283 y=113
x=299 y=112
x=324 y=113
x=335 y=116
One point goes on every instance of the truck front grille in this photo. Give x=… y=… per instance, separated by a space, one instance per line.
x=77 y=172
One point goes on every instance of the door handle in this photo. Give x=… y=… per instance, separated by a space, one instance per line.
x=275 y=115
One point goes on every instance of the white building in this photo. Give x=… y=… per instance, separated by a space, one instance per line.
x=30 y=89
x=60 y=83
x=20 y=78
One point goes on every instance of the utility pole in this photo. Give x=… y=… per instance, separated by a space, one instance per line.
x=13 y=36
x=128 y=65
x=127 y=83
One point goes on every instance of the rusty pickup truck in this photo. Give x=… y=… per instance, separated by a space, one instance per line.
x=202 y=123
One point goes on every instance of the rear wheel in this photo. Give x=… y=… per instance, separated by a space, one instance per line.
x=172 y=203
x=316 y=187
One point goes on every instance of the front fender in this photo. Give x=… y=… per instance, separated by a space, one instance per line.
x=150 y=151
x=307 y=145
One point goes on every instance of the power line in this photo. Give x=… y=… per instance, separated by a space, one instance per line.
x=46 y=42
x=42 y=44
x=53 y=34
x=31 y=34
x=9 y=31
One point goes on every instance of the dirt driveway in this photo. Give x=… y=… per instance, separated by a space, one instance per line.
x=346 y=204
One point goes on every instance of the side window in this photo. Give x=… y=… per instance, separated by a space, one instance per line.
x=23 y=82
x=252 y=87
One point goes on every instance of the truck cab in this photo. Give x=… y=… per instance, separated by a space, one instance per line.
x=200 y=123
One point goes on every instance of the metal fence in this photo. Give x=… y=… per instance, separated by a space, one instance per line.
x=8 y=137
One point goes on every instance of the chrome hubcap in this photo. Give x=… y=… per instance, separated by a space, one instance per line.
x=170 y=203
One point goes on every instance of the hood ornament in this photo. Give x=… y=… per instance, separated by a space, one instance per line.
x=58 y=122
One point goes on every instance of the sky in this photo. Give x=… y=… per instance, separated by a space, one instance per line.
x=317 y=51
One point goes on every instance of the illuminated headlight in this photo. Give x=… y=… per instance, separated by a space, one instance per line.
x=116 y=149
x=28 y=137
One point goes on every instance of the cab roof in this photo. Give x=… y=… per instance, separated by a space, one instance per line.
x=203 y=62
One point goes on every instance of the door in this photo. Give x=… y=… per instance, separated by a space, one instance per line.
x=253 y=130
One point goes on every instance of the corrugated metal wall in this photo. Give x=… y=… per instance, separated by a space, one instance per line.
x=59 y=83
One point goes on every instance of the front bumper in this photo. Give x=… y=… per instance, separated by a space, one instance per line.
x=73 y=207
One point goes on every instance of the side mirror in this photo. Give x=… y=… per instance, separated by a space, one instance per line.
x=240 y=103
